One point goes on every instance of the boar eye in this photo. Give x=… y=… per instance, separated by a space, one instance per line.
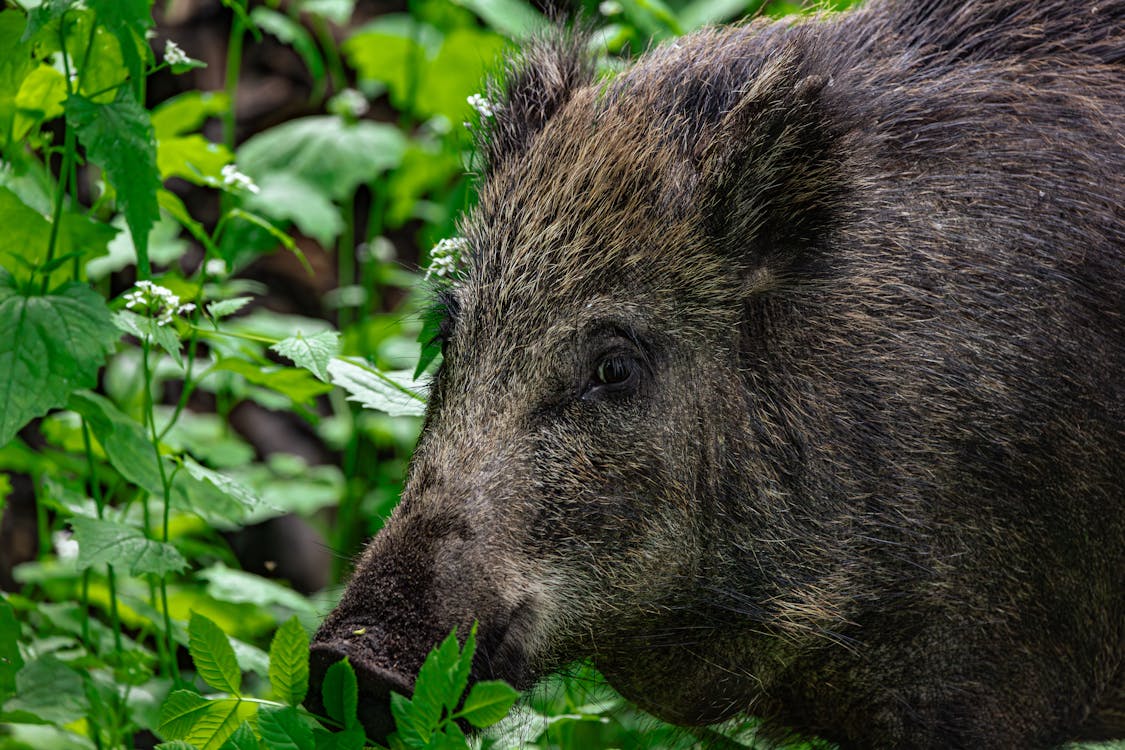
x=614 y=372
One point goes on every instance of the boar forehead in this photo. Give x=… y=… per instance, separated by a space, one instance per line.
x=599 y=209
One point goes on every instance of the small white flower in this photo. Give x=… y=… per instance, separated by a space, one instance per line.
x=482 y=105
x=445 y=256
x=215 y=267
x=609 y=7
x=156 y=302
x=351 y=102
x=66 y=546
x=236 y=180
x=174 y=55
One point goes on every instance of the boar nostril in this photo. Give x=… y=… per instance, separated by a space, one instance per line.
x=375 y=687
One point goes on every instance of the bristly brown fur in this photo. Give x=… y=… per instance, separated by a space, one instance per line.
x=866 y=274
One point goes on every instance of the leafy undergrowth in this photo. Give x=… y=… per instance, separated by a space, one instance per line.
x=209 y=379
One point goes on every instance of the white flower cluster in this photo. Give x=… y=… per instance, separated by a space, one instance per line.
x=350 y=101
x=236 y=180
x=157 y=302
x=482 y=105
x=174 y=55
x=445 y=256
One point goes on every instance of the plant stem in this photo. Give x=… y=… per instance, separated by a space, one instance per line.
x=99 y=501
x=234 y=66
x=345 y=257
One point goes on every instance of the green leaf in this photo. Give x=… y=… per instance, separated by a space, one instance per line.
x=119 y=137
x=177 y=745
x=435 y=689
x=245 y=498
x=413 y=727
x=147 y=328
x=351 y=738
x=395 y=392
x=515 y=19
x=50 y=346
x=333 y=156
x=340 y=693
x=298 y=385
x=288 y=197
x=488 y=703
x=187 y=112
x=213 y=656
x=49 y=690
x=108 y=542
x=126 y=445
x=16 y=63
x=230 y=585
x=289 y=662
x=205 y=723
x=10 y=659
x=284 y=729
x=129 y=21
x=193 y=158
x=457 y=71
x=312 y=352
x=224 y=307
x=40 y=98
x=242 y=739
x=23 y=249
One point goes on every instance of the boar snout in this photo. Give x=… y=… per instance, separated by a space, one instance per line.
x=375 y=686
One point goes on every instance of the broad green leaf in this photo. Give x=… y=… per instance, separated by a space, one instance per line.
x=10 y=659
x=119 y=137
x=340 y=693
x=488 y=703
x=187 y=112
x=243 y=739
x=351 y=738
x=311 y=352
x=457 y=72
x=213 y=656
x=284 y=729
x=24 y=245
x=284 y=196
x=230 y=585
x=517 y=19
x=205 y=723
x=229 y=486
x=224 y=307
x=50 y=346
x=126 y=445
x=176 y=745
x=193 y=158
x=101 y=542
x=334 y=156
x=298 y=385
x=394 y=49
x=396 y=392
x=129 y=21
x=289 y=662
x=40 y=98
x=16 y=63
x=164 y=335
x=49 y=690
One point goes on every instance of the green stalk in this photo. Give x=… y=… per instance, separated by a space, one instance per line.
x=335 y=65
x=345 y=257
x=234 y=66
x=167 y=645
x=96 y=491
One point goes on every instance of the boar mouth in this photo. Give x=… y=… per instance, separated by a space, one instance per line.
x=500 y=654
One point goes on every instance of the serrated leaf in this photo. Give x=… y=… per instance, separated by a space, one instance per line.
x=101 y=542
x=126 y=445
x=243 y=739
x=412 y=728
x=488 y=703
x=49 y=690
x=311 y=352
x=165 y=336
x=10 y=659
x=177 y=745
x=289 y=662
x=232 y=488
x=351 y=738
x=333 y=156
x=50 y=346
x=224 y=307
x=284 y=729
x=205 y=723
x=213 y=655
x=435 y=689
x=119 y=137
x=340 y=693
x=395 y=392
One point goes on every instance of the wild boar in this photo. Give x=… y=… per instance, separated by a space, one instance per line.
x=783 y=376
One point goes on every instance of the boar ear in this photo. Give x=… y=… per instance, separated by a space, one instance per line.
x=530 y=90
x=770 y=171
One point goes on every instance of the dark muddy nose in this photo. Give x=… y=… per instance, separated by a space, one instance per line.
x=375 y=686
